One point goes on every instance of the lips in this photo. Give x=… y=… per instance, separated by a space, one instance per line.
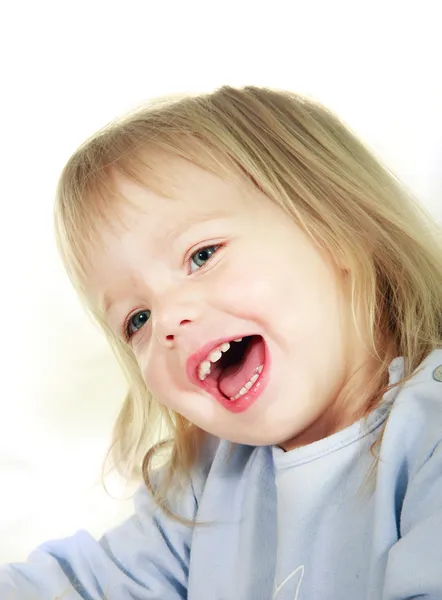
x=210 y=385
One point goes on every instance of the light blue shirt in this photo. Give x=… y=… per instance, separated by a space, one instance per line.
x=301 y=525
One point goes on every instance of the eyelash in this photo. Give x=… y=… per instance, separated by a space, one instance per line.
x=216 y=246
x=128 y=336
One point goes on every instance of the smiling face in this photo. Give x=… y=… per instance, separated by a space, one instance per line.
x=188 y=275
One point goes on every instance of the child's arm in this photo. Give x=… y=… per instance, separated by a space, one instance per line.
x=145 y=558
x=414 y=567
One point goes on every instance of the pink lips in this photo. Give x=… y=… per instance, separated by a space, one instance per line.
x=245 y=401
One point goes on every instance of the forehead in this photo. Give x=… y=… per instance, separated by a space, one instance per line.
x=183 y=195
x=181 y=187
x=145 y=220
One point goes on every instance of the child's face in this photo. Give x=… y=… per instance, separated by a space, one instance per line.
x=259 y=275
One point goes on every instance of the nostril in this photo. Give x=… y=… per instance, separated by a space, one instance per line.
x=171 y=336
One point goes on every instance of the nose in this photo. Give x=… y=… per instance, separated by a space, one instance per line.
x=173 y=318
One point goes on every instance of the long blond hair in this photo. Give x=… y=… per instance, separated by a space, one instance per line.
x=306 y=160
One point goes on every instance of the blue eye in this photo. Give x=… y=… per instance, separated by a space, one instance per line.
x=201 y=256
x=136 y=322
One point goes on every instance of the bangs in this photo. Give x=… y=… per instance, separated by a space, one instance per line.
x=89 y=193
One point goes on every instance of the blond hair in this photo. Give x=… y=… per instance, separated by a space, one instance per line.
x=307 y=161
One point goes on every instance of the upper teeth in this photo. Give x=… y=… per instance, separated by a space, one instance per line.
x=205 y=366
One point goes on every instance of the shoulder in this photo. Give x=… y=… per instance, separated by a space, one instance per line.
x=414 y=426
x=412 y=453
x=217 y=461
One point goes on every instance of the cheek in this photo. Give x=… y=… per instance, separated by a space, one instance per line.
x=295 y=290
x=248 y=287
x=153 y=370
x=271 y=273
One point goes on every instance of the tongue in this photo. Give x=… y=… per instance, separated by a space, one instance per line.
x=233 y=378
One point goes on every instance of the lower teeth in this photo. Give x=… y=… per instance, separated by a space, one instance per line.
x=249 y=384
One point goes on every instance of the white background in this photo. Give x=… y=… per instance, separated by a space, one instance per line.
x=69 y=67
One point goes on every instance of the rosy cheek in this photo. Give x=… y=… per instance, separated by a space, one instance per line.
x=251 y=288
x=158 y=375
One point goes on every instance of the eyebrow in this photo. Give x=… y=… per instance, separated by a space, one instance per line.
x=187 y=222
x=167 y=238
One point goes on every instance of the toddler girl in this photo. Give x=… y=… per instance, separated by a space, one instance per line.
x=275 y=299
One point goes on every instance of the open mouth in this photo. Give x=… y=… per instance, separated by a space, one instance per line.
x=233 y=368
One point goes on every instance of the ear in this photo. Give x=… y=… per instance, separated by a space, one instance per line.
x=343 y=271
x=342 y=264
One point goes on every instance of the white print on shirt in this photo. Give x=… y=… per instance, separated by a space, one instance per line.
x=300 y=570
